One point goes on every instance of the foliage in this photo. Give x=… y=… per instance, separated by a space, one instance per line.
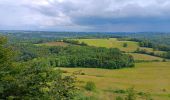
x=74 y=42
x=131 y=94
x=146 y=43
x=90 y=86
x=168 y=55
x=5 y=54
x=31 y=80
x=28 y=51
x=119 y=98
x=76 y=56
x=125 y=45
x=145 y=96
x=163 y=55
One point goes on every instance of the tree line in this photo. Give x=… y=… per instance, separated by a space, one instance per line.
x=77 y=56
x=148 y=44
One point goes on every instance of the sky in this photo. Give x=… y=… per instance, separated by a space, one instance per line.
x=86 y=15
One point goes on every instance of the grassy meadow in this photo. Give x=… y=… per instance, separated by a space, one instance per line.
x=150 y=77
x=145 y=57
x=111 y=43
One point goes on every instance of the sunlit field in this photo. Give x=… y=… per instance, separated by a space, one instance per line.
x=111 y=43
x=145 y=77
x=145 y=57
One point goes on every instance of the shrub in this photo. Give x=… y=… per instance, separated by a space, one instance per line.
x=131 y=94
x=90 y=86
x=83 y=73
x=145 y=96
x=119 y=98
x=164 y=60
x=120 y=91
x=125 y=45
x=33 y=80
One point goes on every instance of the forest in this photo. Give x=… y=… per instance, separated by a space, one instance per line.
x=75 y=56
x=22 y=81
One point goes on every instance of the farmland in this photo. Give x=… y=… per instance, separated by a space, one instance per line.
x=145 y=57
x=115 y=43
x=145 y=77
x=111 y=43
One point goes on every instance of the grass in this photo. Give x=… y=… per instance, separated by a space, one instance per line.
x=152 y=50
x=145 y=57
x=111 y=43
x=153 y=77
x=114 y=43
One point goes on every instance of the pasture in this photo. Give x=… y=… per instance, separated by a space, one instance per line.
x=111 y=43
x=153 y=78
x=145 y=57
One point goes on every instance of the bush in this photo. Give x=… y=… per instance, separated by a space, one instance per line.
x=145 y=96
x=119 y=98
x=120 y=91
x=125 y=45
x=33 y=80
x=83 y=73
x=164 y=60
x=90 y=86
x=131 y=94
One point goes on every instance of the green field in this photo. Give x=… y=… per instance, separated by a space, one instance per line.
x=145 y=77
x=145 y=57
x=152 y=50
x=115 y=43
x=111 y=43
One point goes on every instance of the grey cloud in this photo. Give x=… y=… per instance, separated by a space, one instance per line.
x=86 y=14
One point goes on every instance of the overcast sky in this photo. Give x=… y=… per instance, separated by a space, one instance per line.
x=85 y=15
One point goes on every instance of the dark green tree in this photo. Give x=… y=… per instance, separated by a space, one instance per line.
x=125 y=45
x=34 y=80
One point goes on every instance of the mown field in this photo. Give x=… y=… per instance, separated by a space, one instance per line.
x=150 y=78
x=111 y=43
x=145 y=57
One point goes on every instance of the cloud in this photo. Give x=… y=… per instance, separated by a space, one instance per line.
x=86 y=15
